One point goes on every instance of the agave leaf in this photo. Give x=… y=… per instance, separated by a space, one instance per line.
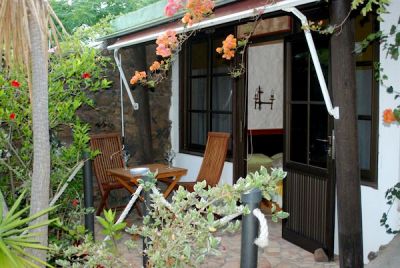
x=13 y=231
x=15 y=206
x=27 y=245
x=31 y=218
x=18 y=214
x=22 y=252
x=5 y=250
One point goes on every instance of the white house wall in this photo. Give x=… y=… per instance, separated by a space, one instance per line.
x=191 y=162
x=373 y=200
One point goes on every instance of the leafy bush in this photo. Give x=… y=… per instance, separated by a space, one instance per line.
x=74 y=71
x=182 y=233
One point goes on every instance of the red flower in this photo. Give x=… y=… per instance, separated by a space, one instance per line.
x=86 y=75
x=75 y=202
x=12 y=116
x=15 y=83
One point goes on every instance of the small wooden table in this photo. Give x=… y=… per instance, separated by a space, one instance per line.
x=169 y=175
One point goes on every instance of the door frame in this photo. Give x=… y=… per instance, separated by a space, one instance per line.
x=329 y=172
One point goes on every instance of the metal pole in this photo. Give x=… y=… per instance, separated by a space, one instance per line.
x=146 y=211
x=88 y=192
x=249 y=250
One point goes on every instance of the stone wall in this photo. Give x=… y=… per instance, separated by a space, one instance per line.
x=106 y=116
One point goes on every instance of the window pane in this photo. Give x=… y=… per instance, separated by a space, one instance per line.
x=318 y=136
x=199 y=58
x=198 y=96
x=364 y=25
x=364 y=82
x=315 y=88
x=222 y=123
x=220 y=65
x=298 y=133
x=198 y=129
x=300 y=76
x=364 y=143
x=222 y=93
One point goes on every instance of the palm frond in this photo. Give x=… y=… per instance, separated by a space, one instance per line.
x=14 y=30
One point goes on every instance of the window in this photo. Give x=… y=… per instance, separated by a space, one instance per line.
x=206 y=90
x=308 y=118
x=367 y=100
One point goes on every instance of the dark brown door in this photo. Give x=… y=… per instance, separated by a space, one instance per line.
x=309 y=186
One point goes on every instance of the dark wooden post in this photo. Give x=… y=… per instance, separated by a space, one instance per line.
x=136 y=61
x=346 y=141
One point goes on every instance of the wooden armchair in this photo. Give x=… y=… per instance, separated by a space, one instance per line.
x=110 y=157
x=213 y=160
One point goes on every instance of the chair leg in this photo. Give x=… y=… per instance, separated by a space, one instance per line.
x=102 y=203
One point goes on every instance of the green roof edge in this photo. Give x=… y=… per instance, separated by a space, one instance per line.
x=150 y=16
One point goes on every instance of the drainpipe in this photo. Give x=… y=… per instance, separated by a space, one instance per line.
x=333 y=111
x=135 y=105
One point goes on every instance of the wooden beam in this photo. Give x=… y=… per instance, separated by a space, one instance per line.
x=346 y=141
x=134 y=58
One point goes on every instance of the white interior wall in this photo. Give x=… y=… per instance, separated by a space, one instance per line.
x=266 y=71
x=190 y=162
x=373 y=200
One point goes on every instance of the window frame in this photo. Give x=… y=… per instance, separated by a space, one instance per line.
x=370 y=177
x=185 y=90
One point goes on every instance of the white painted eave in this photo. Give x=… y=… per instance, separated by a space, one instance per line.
x=217 y=21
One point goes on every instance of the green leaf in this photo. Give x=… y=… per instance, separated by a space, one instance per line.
x=392 y=29
x=389 y=90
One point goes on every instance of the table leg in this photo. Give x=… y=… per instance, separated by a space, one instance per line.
x=171 y=186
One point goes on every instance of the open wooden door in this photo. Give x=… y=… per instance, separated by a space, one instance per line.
x=309 y=193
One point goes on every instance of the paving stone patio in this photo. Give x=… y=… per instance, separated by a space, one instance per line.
x=279 y=253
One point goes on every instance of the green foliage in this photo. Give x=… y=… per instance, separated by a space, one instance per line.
x=83 y=12
x=183 y=233
x=110 y=227
x=74 y=72
x=392 y=194
x=378 y=6
x=15 y=236
x=86 y=254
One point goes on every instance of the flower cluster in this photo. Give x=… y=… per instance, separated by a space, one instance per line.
x=197 y=10
x=172 y=7
x=228 y=48
x=139 y=76
x=166 y=42
x=155 y=66
x=390 y=116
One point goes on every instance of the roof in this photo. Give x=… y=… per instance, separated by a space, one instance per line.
x=146 y=17
x=237 y=11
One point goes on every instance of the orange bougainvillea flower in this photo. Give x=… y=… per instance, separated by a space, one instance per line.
x=166 y=42
x=187 y=19
x=15 y=83
x=197 y=10
x=155 y=66
x=138 y=76
x=228 y=54
x=86 y=75
x=228 y=47
x=388 y=116
x=12 y=116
